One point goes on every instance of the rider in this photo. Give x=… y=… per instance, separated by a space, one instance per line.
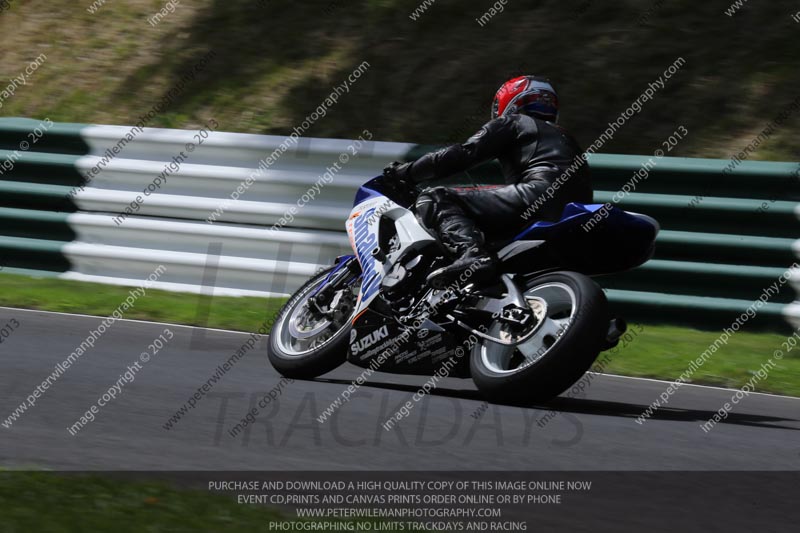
x=534 y=154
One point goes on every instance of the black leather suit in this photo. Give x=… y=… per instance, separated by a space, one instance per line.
x=533 y=154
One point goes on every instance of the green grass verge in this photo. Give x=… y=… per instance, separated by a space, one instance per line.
x=57 y=503
x=653 y=350
x=664 y=352
x=53 y=294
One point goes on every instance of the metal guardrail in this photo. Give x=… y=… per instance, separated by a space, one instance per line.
x=59 y=200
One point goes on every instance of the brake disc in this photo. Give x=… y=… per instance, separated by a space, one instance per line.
x=510 y=334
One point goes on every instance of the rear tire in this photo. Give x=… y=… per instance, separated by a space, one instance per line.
x=316 y=361
x=560 y=359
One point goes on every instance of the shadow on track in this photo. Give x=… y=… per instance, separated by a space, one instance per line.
x=593 y=407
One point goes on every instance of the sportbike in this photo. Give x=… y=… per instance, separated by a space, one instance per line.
x=525 y=336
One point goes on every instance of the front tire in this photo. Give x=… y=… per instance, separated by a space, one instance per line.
x=302 y=345
x=562 y=349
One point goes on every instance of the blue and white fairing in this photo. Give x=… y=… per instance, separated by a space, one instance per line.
x=362 y=228
x=363 y=224
x=618 y=240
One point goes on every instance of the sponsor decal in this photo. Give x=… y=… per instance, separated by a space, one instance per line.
x=431 y=341
x=377 y=349
x=369 y=340
x=366 y=241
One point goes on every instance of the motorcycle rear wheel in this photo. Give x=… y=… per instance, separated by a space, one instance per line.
x=566 y=342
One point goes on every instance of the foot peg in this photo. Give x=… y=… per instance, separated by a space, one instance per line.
x=474 y=270
x=616 y=329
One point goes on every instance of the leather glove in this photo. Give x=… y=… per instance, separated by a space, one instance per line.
x=398 y=171
x=397 y=179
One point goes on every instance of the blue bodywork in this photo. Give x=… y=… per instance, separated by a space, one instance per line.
x=341 y=262
x=589 y=238
x=592 y=239
x=370 y=189
x=586 y=217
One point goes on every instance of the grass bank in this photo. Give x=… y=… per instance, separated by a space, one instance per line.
x=67 y=503
x=430 y=80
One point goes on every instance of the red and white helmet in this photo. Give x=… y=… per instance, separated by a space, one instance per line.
x=529 y=95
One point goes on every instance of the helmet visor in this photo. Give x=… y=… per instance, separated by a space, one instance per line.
x=540 y=103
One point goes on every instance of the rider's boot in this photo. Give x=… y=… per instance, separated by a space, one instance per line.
x=473 y=264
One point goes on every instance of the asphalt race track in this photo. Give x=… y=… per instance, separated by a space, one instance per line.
x=449 y=430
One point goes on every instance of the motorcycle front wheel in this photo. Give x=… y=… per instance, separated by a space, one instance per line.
x=304 y=343
x=573 y=318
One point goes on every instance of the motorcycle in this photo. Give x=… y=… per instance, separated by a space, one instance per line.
x=526 y=336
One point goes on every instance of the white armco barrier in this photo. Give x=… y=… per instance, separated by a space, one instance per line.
x=242 y=214
x=293 y=209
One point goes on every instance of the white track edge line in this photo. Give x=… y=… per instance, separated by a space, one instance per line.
x=249 y=333
x=81 y=315
x=693 y=385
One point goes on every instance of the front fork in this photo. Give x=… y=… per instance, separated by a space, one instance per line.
x=347 y=267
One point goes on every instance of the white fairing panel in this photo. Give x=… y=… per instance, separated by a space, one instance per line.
x=362 y=229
